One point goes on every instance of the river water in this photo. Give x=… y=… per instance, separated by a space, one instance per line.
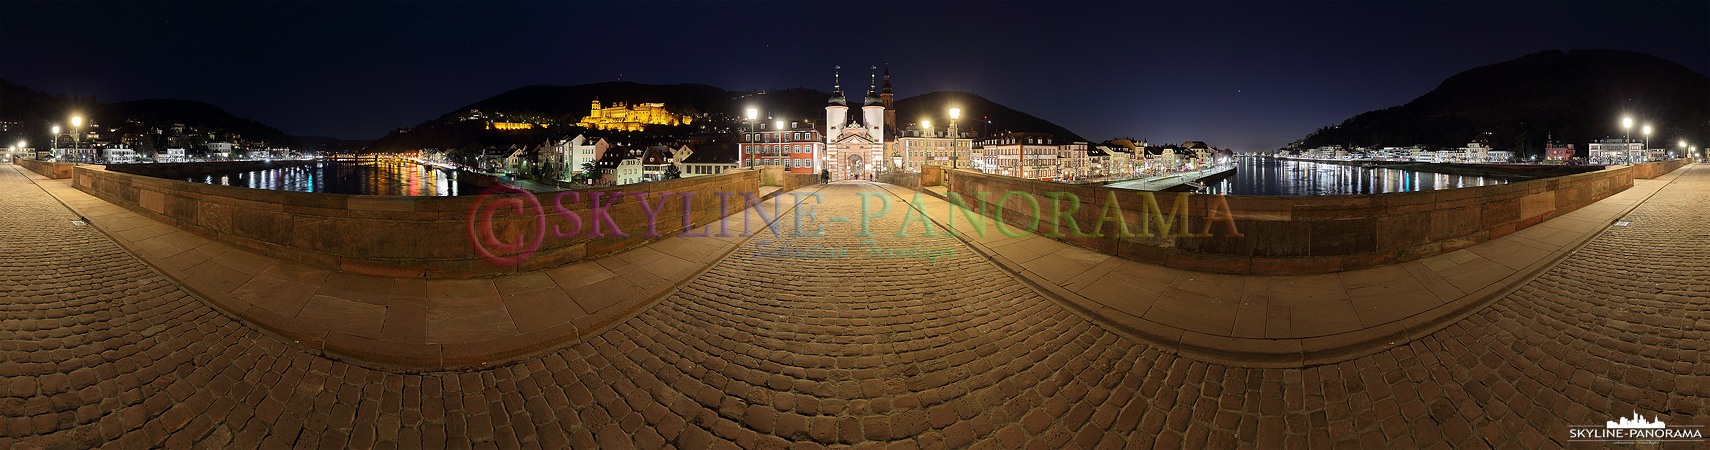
x=1268 y=176
x=367 y=177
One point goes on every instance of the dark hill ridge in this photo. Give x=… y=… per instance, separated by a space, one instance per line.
x=936 y=108
x=722 y=109
x=1575 y=97
x=188 y=112
x=36 y=111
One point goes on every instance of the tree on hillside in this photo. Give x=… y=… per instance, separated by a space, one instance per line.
x=1523 y=145
x=590 y=171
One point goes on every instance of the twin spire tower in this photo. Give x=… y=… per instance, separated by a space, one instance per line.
x=856 y=149
x=877 y=113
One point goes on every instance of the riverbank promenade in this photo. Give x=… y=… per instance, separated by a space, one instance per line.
x=107 y=341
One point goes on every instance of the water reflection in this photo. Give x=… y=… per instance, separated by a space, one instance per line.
x=367 y=177
x=1267 y=176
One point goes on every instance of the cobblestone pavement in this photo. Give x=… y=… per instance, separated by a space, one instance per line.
x=100 y=351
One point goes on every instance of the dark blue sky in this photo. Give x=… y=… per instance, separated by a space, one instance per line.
x=1247 y=75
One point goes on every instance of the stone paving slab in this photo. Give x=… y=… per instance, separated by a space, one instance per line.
x=410 y=323
x=1289 y=321
x=97 y=350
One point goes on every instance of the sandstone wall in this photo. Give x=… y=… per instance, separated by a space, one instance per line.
x=53 y=170
x=1306 y=234
x=418 y=236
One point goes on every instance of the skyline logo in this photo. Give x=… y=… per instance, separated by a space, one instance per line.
x=1635 y=422
x=1635 y=430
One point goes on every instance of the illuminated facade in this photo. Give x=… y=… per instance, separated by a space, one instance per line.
x=924 y=147
x=854 y=150
x=623 y=117
x=510 y=126
x=799 y=148
x=1024 y=155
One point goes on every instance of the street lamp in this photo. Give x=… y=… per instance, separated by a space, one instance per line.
x=752 y=115
x=76 y=144
x=955 y=113
x=54 y=148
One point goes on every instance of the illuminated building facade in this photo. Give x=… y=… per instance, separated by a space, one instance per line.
x=510 y=126
x=569 y=155
x=925 y=146
x=1024 y=155
x=854 y=150
x=1558 y=152
x=621 y=117
x=798 y=148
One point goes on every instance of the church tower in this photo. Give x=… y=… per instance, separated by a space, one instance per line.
x=836 y=109
x=873 y=111
x=885 y=95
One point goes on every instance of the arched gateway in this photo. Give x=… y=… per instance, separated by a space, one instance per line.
x=851 y=145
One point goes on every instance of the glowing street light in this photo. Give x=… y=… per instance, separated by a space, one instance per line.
x=778 y=125
x=1627 y=124
x=752 y=114
x=54 y=148
x=76 y=141
x=955 y=113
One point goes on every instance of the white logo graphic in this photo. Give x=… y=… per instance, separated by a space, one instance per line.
x=1635 y=422
x=1636 y=429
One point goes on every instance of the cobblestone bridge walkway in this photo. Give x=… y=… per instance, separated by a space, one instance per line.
x=895 y=353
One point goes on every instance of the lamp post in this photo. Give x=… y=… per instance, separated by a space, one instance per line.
x=76 y=141
x=778 y=126
x=1626 y=135
x=1683 y=147
x=1645 y=153
x=955 y=113
x=752 y=115
x=54 y=148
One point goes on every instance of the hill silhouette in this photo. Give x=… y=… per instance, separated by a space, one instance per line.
x=37 y=111
x=936 y=106
x=1573 y=97
x=189 y=112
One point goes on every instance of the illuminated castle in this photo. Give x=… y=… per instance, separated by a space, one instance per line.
x=623 y=117
x=511 y=126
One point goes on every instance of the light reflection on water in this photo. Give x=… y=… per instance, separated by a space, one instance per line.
x=368 y=178
x=1268 y=176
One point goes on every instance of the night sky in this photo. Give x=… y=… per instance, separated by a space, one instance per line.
x=1251 y=76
